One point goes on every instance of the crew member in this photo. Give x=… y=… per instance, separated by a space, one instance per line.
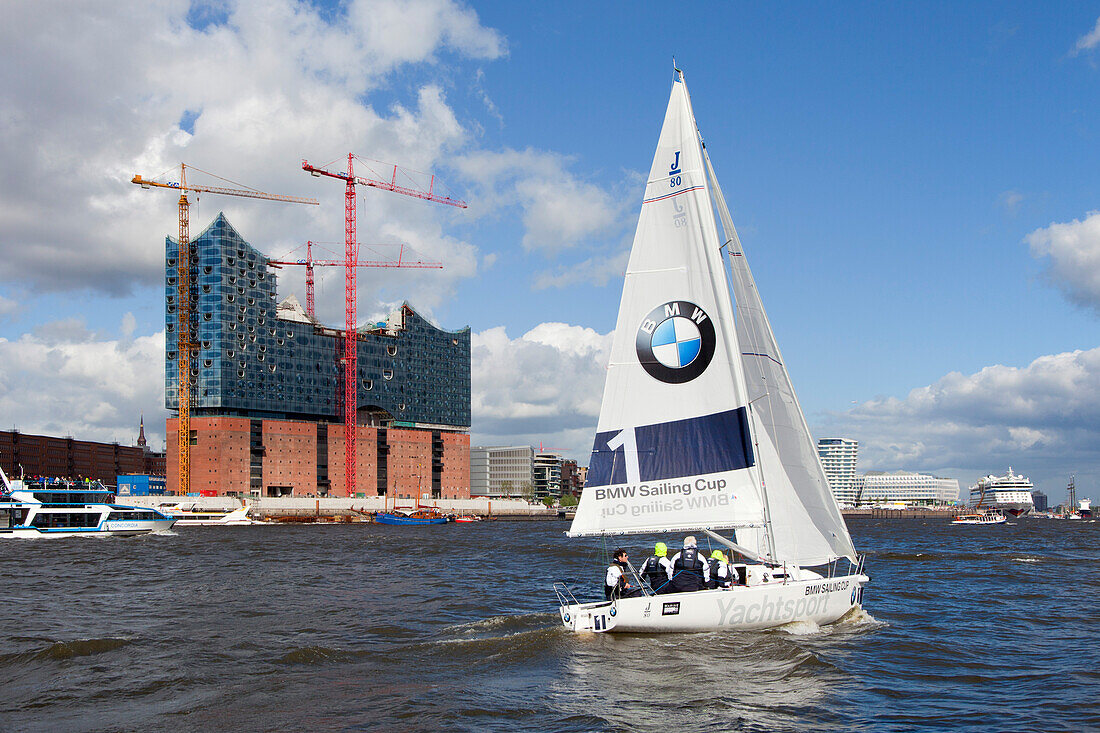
x=689 y=571
x=617 y=583
x=719 y=570
x=657 y=569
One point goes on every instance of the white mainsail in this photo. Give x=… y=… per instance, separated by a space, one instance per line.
x=673 y=448
x=806 y=525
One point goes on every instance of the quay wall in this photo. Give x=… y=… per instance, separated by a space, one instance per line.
x=912 y=513
x=295 y=506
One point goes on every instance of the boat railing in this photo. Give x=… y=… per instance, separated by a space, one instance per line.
x=565 y=595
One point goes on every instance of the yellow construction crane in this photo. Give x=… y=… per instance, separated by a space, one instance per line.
x=183 y=300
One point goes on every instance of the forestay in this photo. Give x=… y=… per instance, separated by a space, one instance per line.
x=673 y=448
x=807 y=527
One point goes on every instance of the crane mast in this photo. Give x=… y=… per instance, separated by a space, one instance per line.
x=350 y=288
x=184 y=342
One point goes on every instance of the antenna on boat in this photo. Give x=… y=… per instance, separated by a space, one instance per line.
x=679 y=73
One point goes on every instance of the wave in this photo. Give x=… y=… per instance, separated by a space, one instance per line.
x=1026 y=559
x=495 y=623
x=800 y=628
x=315 y=655
x=61 y=650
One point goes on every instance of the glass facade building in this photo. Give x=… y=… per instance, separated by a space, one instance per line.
x=249 y=361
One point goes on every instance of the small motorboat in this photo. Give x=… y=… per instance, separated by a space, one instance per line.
x=468 y=518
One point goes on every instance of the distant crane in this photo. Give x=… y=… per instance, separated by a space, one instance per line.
x=310 y=263
x=375 y=180
x=184 y=342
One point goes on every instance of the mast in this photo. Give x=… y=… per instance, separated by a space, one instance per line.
x=727 y=322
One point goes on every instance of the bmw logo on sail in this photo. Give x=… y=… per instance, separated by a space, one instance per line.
x=675 y=342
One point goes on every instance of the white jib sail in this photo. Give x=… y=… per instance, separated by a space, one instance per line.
x=806 y=524
x=673 y=448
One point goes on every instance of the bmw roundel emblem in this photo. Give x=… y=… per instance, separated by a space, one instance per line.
x=675 y=342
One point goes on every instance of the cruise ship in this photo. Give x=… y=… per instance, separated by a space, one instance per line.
x=1011 y=493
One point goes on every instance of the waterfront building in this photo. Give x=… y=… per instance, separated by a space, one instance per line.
x=922 y=489
x=61 y=457
x=547 y=471
x=838 y=458
x=1039 y=499
x=267 y=386
x=502 y=471
x=572 y=478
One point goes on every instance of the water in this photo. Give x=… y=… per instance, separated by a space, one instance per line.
x=455 y=628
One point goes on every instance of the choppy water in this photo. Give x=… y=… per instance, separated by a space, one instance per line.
x=455 y=628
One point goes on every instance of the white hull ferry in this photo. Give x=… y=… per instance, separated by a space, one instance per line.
x=1011 y=493
x=699 y=426
x=71 y=510
x=196 y=515
x=980 y=518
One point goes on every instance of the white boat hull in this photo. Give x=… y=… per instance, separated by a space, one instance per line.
x=119 y=528
x=820 y=600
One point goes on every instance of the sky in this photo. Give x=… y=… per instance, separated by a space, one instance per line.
x=915 y=186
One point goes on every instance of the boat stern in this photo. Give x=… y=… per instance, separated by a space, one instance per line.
x=592 y=617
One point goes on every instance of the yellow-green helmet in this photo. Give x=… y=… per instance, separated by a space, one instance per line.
x=717 y=555
x=660 y=549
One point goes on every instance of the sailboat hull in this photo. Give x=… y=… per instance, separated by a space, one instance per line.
x=820 y=600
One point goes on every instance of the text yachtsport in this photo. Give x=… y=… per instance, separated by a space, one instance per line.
x=662 y=489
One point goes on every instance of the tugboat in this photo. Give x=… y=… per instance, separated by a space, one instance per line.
x=66 y=509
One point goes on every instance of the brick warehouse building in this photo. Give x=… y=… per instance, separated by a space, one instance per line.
x=44 y=455
x=266 y=416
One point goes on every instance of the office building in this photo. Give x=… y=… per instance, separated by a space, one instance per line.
x=918 y=489
x=838 y=458
x=502 y=471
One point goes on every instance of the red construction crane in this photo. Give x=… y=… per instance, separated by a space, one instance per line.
x=310 y=263
x=184 y=345
x=375 y=179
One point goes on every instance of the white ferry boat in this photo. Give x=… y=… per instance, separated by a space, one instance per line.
x=1011 y=494
x=980 y=518
x=198 y=515
x=66 y=509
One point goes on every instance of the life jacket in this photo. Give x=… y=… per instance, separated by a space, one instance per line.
x=687 y=571
x=622 y=584
x=716 y=580
x=655 y=572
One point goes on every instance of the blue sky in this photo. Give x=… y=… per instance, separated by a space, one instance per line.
x=913 y=185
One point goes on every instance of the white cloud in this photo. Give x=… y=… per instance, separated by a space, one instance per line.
x=559 y=210
x=61 y=380
x=543 y=387
x=1073 y=250
x=1088 y=41
x=1010 y=200
x=8 y=307
x=1043 y=418
x=597 y=271
x=92 y=93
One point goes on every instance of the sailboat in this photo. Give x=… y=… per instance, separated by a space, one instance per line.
x=699 y=428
